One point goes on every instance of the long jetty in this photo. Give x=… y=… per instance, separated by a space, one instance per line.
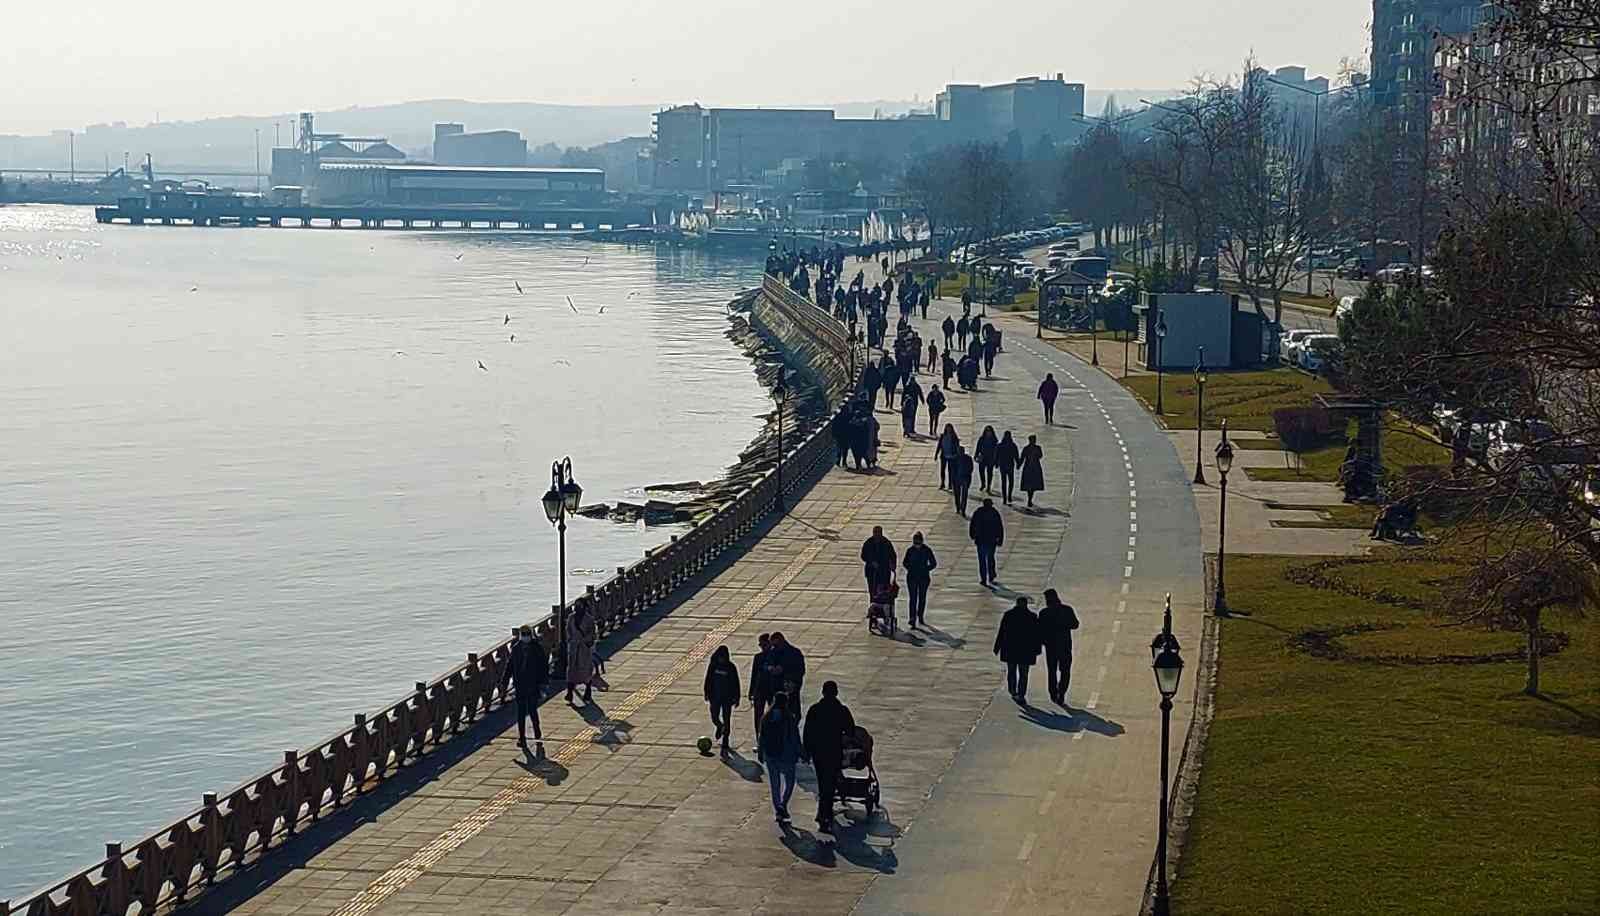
x=232 y=211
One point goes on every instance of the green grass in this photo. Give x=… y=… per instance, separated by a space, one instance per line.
x=1246 y=399
x=1402 y=446
x=1343 y=785
x=1344 y=515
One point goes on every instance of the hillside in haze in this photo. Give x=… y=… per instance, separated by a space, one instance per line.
x=231 y=142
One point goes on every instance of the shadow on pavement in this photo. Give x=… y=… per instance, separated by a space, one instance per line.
x=748 y=770
x=939 y=636
x=1080 y=720
x=614 y=733
x=543 y=767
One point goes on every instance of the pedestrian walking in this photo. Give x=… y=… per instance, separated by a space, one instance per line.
x=839 y=428
x=946 y=449
x=877 y=559
x=722 y=693
x=762 y=686
x=963 y=481
x=962 y=328
x=1056 y=623
x=859 y=433
x=1017 y=644
x=1048 y=390
x=891 y=379
x=787 y=665
x=984 y=454
x=922 y=303
x=873 y=442
x=1032 y=468
x=947 y=367
x=527 y=671
x=991 y=346
x=966 y=302
x=582 y=634
x=1007 y=457
x=828 y=726
x=919 y=564
x=988 y=532
x=871 y=380
x=910 y=401
x=935 y=407
x=780 y=747
x=933 y=357
x=949 y=329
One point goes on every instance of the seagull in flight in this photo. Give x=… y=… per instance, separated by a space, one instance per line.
x=518 y=286
x=571 y=306
x=482 y=366
x=602 y=310
x=513 y=338
x=508 y=320
x=458 y=257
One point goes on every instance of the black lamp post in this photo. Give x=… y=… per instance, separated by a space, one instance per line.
x=1167 y=664
x=560 y=501
x=780 y=391
x=1200 y=416
x=1224 y=464
x=1161 y=335
x=1094 y=329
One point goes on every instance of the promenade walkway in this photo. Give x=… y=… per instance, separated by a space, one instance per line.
x=988 y=808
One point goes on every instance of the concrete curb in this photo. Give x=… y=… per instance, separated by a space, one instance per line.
x=1186 y=781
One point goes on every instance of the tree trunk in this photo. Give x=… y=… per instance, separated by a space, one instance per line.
x=1532 y=688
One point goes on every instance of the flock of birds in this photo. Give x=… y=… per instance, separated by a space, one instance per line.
x=517 y=285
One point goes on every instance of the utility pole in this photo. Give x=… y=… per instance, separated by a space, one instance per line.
x=72 y=157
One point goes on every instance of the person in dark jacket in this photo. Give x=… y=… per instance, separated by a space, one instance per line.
x=871 y=381
x=947 y=368
x=1048 y=390
x=877 y=556
x=962 y=331
x=963 y=481
x=527 y=671
x=780 y=748
x=1006 y=459
x=919 y=563
x=949 y=329
x=1056 y=623
x=722 y=693
x=786 y=664
x=988 y=532
x=910 y=400
x=1017 y=644
x=891 y=379
x=932 y=364
x=946 y=449
x=839 y=428
x=762 y=687
x=1032 y=468
x=828 y=725
x=935 y=401
x=991 y=347
x=984 y=454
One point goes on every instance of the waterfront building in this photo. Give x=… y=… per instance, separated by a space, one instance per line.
x=348 y=182
x=1031 y=106
x=453 y=145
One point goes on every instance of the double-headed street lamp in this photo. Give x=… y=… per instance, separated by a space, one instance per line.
x=560 y=501
x=1200 y=416
x=1161 y=334
x=1167 y=664
x=1224 y=464
x=780 y=392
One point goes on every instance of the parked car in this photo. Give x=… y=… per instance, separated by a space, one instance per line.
x=1290 y=343
x=1394 y=273
x=1345 y=306
x=1353 y=269
x=1315 y=351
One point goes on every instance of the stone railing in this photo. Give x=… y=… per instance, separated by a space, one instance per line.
x=812 y=338
x=241 y=827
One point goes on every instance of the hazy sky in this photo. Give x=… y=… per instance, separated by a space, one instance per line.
x=95 y=60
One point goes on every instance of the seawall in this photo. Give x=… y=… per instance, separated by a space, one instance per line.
x=811 y=340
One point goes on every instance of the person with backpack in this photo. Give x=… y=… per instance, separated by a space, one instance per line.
x=780 y=746
x=527 y=671
x=722 y=693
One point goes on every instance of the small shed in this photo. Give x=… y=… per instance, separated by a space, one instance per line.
x=1062 y=294
x=998 y=290
x=1192 y=321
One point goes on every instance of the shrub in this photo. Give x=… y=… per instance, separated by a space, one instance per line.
x=1302 y=429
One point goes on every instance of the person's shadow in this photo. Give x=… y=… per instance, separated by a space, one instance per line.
x=543 y=767
x=939 y=636
x=908 y=636
x=748 y=770
x=807 y=846
x=1077 y=720
x=614 y=733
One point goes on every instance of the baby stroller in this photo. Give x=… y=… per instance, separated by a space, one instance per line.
x=880 y=613
x=858 y=756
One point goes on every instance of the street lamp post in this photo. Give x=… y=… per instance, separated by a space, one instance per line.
x=560 y=501
x=1316 y=150
x=780 y=391
x=1167 y=664
x=1094 y=329
x=1224 y=464
x=1200 y=416
x=1161 y=335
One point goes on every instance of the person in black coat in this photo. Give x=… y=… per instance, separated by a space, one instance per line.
x=991 y=346
x=962 y=476
x=762 y=684
x=935 y=401
x=961 y=332
x=1056 y=623
x=910 y=400
x=949 y=329
x=877 y=557
x=839 y=428
x=890 y=373
x=1017 y=644
x=786 y=665
x=984 y=453
x=871 y=380
x=722 y=693
x=1007 y=457
x=919 y=563
x=947 y=367
x=988 y=532
x=828 y=725
x=527 y=671
x=1048 y=390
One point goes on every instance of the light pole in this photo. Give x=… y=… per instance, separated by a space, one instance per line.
x=1224 y=464
x=1316 y=151
x=780 y=391
x=560 y=501
x=1161 y=334
x=1094 y=329
x=1167 y=664
x=1200 y=417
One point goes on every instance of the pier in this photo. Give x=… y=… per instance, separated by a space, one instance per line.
x=428 y=805
x=235 y=211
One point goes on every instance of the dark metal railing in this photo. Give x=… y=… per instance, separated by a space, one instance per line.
x=240 y=827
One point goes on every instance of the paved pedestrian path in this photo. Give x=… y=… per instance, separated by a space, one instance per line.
x=987 y=807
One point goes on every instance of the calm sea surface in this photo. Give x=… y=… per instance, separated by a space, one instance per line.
x=253 y=481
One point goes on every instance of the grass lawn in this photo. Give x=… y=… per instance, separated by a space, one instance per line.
x=952 y=287
x=1355 y=784
x=1403 y=446
x=1246 y=399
